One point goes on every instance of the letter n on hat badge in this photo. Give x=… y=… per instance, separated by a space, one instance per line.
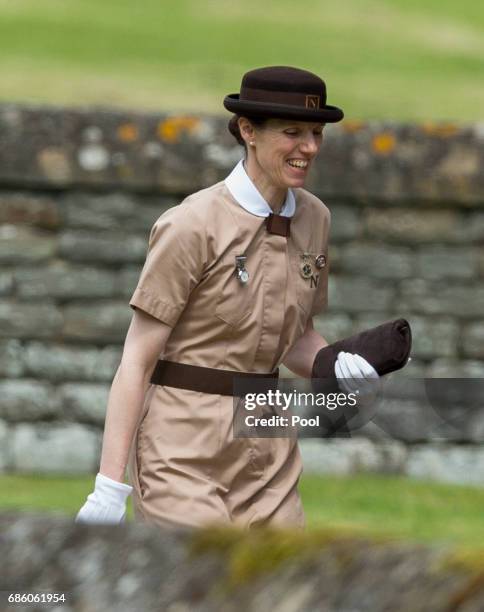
x=312 y=101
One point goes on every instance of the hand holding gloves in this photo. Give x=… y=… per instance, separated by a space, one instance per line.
x=355 y=375
x=386 y=347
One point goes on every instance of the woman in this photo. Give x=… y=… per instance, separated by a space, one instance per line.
x=232 y=279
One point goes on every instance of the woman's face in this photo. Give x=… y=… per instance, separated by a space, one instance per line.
x=285 y=150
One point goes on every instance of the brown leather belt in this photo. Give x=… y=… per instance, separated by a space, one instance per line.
x=205 y=380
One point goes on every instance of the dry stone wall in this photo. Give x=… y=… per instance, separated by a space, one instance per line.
x=140 y=567
x=79 y=191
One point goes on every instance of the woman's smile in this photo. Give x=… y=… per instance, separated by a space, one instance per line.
x=298 y=166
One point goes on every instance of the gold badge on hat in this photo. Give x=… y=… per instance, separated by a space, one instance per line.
x=312 y=101
x=320 y=261
x=305 y=268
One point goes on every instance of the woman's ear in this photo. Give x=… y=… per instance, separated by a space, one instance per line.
x=246 y=129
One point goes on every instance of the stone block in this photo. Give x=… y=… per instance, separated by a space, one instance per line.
x=6 y=282
x=55 y=448
x=11 y=353
x=420 y=410
x=350 y=456
x=415 y=368
x=59 y=362
x=23 y=208
x=333 y=326
x=392 y=456
x=473 y=226
x=474 y=426
x=27 y=400
x=113 y=248
x=63 y=280
x=434 y=337
x=481 y=262
x=366 y=321
x=354 y=295
x=438 y=262
x=473 y=340
x=21 y=320
x=84 y=402
x=22 y=244
x=113 y=211
x=4 y=446
x=453 y=368
x=377 y=261
x=408 y=225
x=346 y=223
x=406 y=420
x=334 y=257
x=441 y=297
x=127 y=280
x=457 y=464
x=328 y=457
x=110 y=211
x=101 y=322
x=149 y=208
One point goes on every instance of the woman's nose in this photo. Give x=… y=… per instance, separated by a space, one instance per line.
x=310 y=144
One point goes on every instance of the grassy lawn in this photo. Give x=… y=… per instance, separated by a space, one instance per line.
x=402 y=507
x=383 y=505
x=402 y=59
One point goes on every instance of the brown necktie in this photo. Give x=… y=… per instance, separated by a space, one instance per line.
x=278 y=224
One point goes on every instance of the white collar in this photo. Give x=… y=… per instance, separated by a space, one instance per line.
x=248 y=196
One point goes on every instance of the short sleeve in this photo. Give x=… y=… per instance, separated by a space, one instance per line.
x=320 y=303
x=174 y=265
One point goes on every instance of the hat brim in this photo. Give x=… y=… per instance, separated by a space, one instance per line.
x=329 y=114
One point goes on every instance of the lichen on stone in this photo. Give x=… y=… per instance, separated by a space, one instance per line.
x=250 y=554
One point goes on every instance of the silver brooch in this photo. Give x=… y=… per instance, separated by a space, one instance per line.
x=240 y=270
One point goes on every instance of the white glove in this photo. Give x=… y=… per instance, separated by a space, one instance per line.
x=107 y=504
x=356 y=375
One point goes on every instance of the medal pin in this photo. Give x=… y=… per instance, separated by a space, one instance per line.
x=240 y=270
x=305 y=267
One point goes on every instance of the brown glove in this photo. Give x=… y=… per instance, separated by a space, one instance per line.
x=386 y=347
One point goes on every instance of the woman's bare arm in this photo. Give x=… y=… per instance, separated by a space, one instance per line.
x=300 y=358
x=145 y=341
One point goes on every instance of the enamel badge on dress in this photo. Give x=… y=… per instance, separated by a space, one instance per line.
x=305 y=268
x=240 y=270
x=320 y=261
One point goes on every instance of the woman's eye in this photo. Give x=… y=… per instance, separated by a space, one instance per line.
x=295 y=133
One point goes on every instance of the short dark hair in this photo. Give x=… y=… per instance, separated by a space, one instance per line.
x=234 y=126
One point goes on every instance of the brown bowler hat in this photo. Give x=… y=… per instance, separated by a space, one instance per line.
x=283 y=92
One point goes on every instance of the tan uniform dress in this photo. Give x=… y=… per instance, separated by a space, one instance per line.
x=185 y=466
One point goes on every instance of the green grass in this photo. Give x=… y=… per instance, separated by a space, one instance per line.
x=387 y=506
x=402 y=507
x=400 y=59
